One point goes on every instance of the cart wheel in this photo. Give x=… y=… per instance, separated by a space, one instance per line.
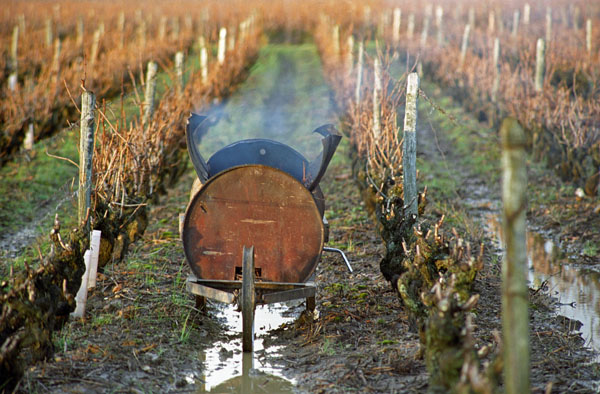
x=247 y=298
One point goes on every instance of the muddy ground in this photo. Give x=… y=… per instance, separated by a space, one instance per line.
x=142 y=332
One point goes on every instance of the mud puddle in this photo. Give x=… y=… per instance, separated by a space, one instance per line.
x=575 y=289
x=228 y=369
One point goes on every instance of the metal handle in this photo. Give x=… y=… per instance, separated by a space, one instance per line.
x=335 y=250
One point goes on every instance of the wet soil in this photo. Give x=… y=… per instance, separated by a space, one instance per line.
x=467 y=163
x=142 y=332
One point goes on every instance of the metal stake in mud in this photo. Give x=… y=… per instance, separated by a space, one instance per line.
x=247 y=299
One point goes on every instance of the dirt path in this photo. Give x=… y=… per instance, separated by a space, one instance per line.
x=143 y=333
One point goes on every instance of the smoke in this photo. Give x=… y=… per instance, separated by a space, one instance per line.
x=284 y=99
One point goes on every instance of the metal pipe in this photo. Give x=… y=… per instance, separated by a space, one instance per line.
x=335 y=250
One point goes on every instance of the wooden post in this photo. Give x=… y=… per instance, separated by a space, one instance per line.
x=576 y=16
x=56 y=60
x=464 y=46
x=396 y=25
x=162 y=28
x=526 y=13
x=175 y=27
x=515 y=297
x=189 y=24
x=548 y=25
x=29 y=138
x=349 y=55
x=179 y=71
x=515 y=27
x=588 y=35
x=231 y=40
x=221 y=49
x=335 y=38
x=203 y=61
x=86 y=151
x=496 y=62
x=149 y=92
x=426 y=21
x=48 y=32
x=376 y=99
x=14 y=61
x=359 y=72
x=471 y=17
x=409 y=146
x=95 y=46
x=410 y=31
x=540 y=64
x=79 y=32
x=439 y=19
x=21 y=19
x=121 y=24
x=491 y=21
x=141 y=32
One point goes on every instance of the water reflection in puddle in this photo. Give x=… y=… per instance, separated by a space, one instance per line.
x=577 y=289
x=228 y=369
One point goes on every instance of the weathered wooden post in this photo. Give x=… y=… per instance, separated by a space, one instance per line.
x=496 y=63
x=471 y=17
x=426 y=22
x=203 y=60
x=515 y=297
x=95 y=46
x=376 y=99
x=221 y=48
x=439 y=19
x=410 y=31
x=79 y=32
x=359 y=72
x=14 y=49
x=162 y=28
x=396 y=24
x=149 y=92
x=21 y=21
x=491 y=21
x=576 y=16
x=48 y=32
x=540 y=64
x=349 y=55
x=56 y=60
x=500 y=21
x=29 y=138
x=179 y=71
x=175 y=29
x=515 y=26
x=142 y=34
x=14 y=61
x=335 y=39
x=526 y=13
x=464 y=46
x=588 y=35
x=231 y=40
x=548 y=25
x=409 y=146
x=86 y=151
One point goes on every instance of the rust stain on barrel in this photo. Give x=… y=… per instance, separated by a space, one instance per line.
x=253 y=205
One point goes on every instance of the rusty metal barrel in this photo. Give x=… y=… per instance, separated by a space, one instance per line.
x=253 y=205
